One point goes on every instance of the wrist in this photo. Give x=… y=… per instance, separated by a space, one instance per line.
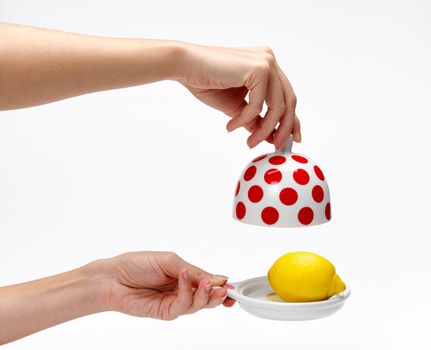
x=158 y=59
x=183 y=57
x=100 y=278
x=177 y=60
x=32 y=306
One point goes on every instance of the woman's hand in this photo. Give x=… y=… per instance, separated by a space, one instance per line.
x=41 y=66
x=222 y=78
x=160 y=285
x=148 y=284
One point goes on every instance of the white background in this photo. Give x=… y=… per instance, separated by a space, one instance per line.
x=150 y=168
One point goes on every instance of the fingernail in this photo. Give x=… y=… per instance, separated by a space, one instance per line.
x=230 y=128
x=251 y=145
x=297 y=137
x=220 y=278
x=223 y=298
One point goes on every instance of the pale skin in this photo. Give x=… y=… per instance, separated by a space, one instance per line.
x=146 y=284
x=39 y=66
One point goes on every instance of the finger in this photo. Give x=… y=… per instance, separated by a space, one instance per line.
x=287 y=120
x=229 y=302
x=251 y=125
x=296 y=131
x=276 y=108
x=201 y=296
x=184 y=298
x=173 y=265
x=254 y=124
x=217 y=297
x=253 y=108
x=196 y=275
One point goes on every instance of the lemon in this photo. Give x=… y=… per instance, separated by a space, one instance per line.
x=303 y=277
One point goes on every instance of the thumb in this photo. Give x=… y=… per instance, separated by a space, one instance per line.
x=195 y=273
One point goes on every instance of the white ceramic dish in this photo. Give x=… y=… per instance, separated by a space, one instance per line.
x=252 y=293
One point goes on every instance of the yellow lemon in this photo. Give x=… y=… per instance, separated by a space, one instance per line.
x=303 y=277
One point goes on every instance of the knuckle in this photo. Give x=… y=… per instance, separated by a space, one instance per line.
x=281 y=108
x=267 y=50
x=264 y=68
x=171 y=317
x=270 y=59
x=171 y=256
x=196 y=308
x=198 y=272
x=293 y=100
x=210 y=305
x=265 y=65
x=248 y=115
x=255 y=109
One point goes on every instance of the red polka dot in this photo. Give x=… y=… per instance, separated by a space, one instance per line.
x=259 y=158
x=269 y=215
x=272 y=176
x=277 y=160
x=305 y=215
x=319 y=173
x=240 y=210
x=300 y=159
x=255 y=193
x=301 y=176
x=317 y=193
x=288 y=196
x=249 y=173
x=328 y=211
x=238 y=186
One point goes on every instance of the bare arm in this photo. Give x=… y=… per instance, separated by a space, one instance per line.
x=29 y=307
x=145 y=284
x=39 y=66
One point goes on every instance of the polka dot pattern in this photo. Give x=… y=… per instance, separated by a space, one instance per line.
x=249 y=173
x=300 y=159
x=238 y=186
x=288 y=196
x=277 y=160
x=301 y=176
x=270 y=215
x=240 y=210
x=255 y=193
x=328 y=211
x=282 y=189
x=319 y=173
x=272 y=176
x=318 y=193
x=255 y=160
x=305 y=215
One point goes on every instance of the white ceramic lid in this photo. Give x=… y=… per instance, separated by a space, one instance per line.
x=282 y=189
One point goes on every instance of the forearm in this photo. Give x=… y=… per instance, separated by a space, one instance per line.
x=39 y=66
x=30 y=307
